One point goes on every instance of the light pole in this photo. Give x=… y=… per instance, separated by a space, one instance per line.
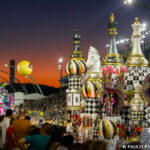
x=60 y=61
x=136 y=3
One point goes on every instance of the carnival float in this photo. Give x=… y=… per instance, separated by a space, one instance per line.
x=104 y=93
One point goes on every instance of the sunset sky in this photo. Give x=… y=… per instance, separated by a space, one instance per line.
x=40 y=31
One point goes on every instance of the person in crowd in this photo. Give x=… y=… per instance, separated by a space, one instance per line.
x=10 y=138
x=1 y=144
x=21 y=126
x=85 y=145
x=4 y=125
x=75 y=146
x=27 y=118
x=66 y=142
x=56 y=133
x=33 y=130
x=37 y=141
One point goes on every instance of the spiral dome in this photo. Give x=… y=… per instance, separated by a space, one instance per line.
x=75 y=67
x=108 y=128
x=76 y=64
x=92 y=89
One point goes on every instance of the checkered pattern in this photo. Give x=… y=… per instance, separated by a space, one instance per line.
x=95 y=130
x=135 y=74
x=137 y=115
x=142 y=115
x=74 y=82
x=91 y=105
x=147 y=110
x=125 y=113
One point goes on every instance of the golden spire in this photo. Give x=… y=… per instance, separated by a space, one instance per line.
x=112 y=18
x=136 y=20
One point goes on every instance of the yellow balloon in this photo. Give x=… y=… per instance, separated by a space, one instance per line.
x=24 y=68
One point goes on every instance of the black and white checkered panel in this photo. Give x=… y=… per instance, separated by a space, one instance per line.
x=74 y=82
x=146 y=109
x=91 y=105
x=95 y=131
x=125 y=113
x=137 y=115
x=135 y=74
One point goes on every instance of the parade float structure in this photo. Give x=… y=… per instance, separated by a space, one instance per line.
x=136 y=64
x=137 y=70
x=6 y=99
x=75 y=68
x=92 y=93
x=106 y=87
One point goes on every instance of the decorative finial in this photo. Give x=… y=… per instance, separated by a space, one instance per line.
x=76 y=39
x=136 y=20
x=112 y=18
x=76 y=35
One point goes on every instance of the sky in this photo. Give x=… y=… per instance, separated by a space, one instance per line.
x=41 y=31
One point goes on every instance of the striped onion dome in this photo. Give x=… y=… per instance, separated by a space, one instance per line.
x=76 y=64
x=92 y=88
x=75 y=67
x=108 y=128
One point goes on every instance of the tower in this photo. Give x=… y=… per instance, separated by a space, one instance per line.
x=12 y=71
x=137 y=64
x=75 y=68
x=113 y=70
x=112 y=57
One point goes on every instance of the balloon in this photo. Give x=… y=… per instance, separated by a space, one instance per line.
x=24 y=68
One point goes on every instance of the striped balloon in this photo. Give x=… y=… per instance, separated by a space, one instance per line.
x=90 y=89
x=75 y=67
x=108 y=128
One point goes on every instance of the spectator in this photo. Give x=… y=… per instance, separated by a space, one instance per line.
x=75 y=146
x=21 y=127
x=27 y=118
x=37 y=141
x=66 y=142
x=85 y=145
x=5 y=124
x=10 y=136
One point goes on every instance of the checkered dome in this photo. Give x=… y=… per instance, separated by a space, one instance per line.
x=135 y=74
x=91 y=105
x=74 y=82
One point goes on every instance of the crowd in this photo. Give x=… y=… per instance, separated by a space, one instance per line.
x=52 y=107
x=19 y=134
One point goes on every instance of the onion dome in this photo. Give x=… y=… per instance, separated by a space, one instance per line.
x=92 y=89
x=76 y=64
x=112 y=57
x=108 y=128
x=137 y=64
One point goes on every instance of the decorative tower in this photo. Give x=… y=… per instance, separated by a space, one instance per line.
x=75 y=68
x=137 y=64
x=92 y=91
x=113 y=70
x=112 y=57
